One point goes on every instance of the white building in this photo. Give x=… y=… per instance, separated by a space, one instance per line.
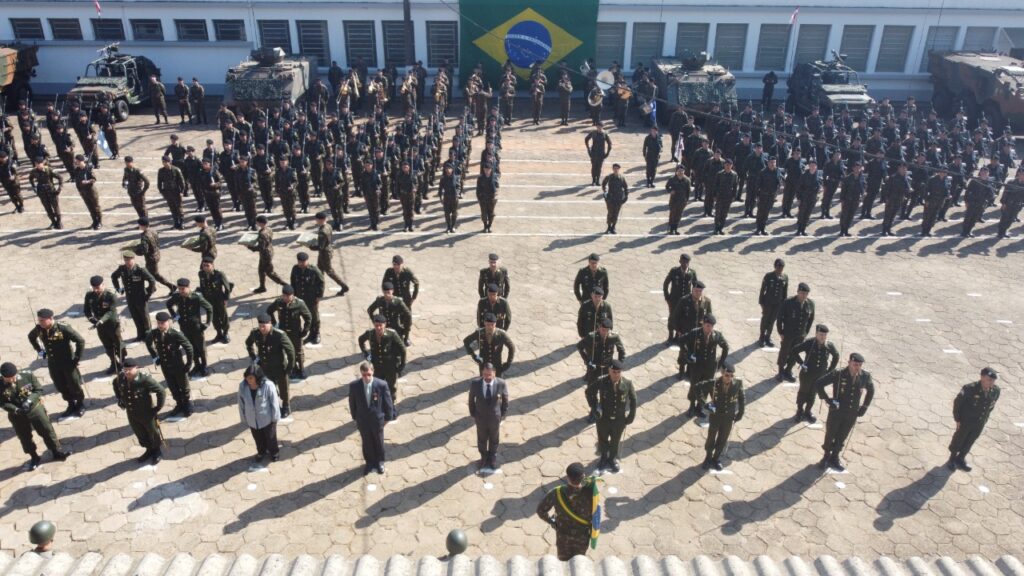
x=887 y=42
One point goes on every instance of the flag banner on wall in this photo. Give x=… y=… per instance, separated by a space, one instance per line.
x=525 y=31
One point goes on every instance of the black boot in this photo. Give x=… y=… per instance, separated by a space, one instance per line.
x=33 y=463
x=61 y=455
x=961 y=463
x=706 y=463
x=145 y=456
x=951 y=463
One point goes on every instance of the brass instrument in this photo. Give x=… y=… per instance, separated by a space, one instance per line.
x=624 y=92
x=596 y=97
x=565 y=84
x=193 y=243
x=308 y=239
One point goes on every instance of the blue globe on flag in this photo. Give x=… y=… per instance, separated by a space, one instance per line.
x=527 y=42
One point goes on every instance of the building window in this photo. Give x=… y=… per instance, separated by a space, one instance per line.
x=940 y=39
x=856 y=45
x=730 y=44
x=66 y=28
x=772 y=47
x=980 y=38
x=394 y=43
x=192 y=30
x=108 y=29
x=275 y=34
x=611 y=43
x=27 y=28
x=442 y=43
x=648 y=38
x=811 y=42
x=892 y=54
x=361 y=42
x=313 y=41
x=229 y=30
x=692 y=38
x=147 y=30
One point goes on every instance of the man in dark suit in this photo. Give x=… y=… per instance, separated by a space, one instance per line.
x=369 y=402
x=488 y=404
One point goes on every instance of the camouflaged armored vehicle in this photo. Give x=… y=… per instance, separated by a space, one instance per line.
x=828 y=85
x=692 y=83
x=988 y=84
x=17 y=67
x=267 y=78
x=122 y=77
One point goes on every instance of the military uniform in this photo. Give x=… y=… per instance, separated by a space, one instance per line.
x=142 y=399
x=244 y=180
x=489 y=349
x=325 y=255
x=22 y=402
x=677 y=285
x=591 y=316
x=166 y=348
x=309 y=287
x=853 y=189
x=794 y=322
x=208 y=242
x=971 y=410
x=583 y=285
x=615 y=190
x=500 y=308
x=398 y=315
x=216 y=288
x=1011 y=203
x=678 y=188
x=275 y=354
x=598 y=352
x=101 y=311
x=11 y=184
x=296 y=320
x=407 y=285
x=726 y=404
x=265 y=268
x=47 y=185
x=573 y=511
x=85 y=182
x=157 y=99
x=687 y=314
x=773 y=293
x=699 y=353
x=498 y=277
x=137 y=284
x=62 y=347
x=815 y=363
x=387 y=354
x=171 y=184
x=850 y=399
x=149 y=249
x=615 y=403
x=188 y=312
x=136 y=183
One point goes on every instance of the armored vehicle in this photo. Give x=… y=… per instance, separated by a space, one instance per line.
x=830 y=86
x=121 y=79
x=267 y=79
x=17 y=67
x=693 y=83
x=988 y=84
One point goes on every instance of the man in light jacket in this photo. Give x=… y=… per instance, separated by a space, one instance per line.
x=260 y=408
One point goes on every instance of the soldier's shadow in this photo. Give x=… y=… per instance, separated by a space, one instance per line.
x=910 y=499
x=619 y=509
x=772 y=501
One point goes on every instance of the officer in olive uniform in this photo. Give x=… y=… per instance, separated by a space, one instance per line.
x=726 y=404
x=216 y=288
x=85 y=183
x=137 y=285
x=141 y=397
x=615 y=190
x=496 y=305
x=774 y=291
x=383 y=348
x=572 y=504
x=796 y=316
x=1010 y=204
x=136 y=183
x=20 y=395
x=589 y=276
x=308 y=282
x=100 y=309
x=407 y=285
x=149 y=249
x=165 y=346
x=170 y=182
x=47 y=185
x=613 y=398
x=598 y=349
x=700 y=353
x=490 y=342
x=273 y=351
x=187 y=308
x=678 y=188
x=971 y=409
x=852 y=391
x=593 y=313
x=819 y=358
x=62 y=347
x=688 y=313
x=291 y=314
x=207 y=238
x=325 y=251
x=493 y=274
x=398 y=315
x=265 y=247
x=677 y=286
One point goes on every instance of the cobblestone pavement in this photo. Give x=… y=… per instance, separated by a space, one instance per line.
x=926 y=313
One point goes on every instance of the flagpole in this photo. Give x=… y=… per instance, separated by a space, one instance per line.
x=791 y=47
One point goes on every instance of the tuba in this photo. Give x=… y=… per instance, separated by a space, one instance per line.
x=596 y=97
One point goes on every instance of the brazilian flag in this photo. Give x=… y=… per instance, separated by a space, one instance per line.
x=525 y=31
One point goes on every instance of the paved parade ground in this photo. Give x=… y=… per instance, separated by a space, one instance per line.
x=927 y=314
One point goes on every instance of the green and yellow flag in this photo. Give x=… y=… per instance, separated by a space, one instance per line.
x=525 y=31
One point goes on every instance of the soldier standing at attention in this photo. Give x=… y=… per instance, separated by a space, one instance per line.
x=796 y=316
x=149 y=247
x=971 y=409
x=767 y=189
x=394 y=310
x=678 y=188
x=197 y=97
x=284 y=186
x=598 y=349
x=325 y=251
x=677 y=286
x=157 y=98
x=726 y=405
x=85 y=182
x=725 y=186
x=593 y=313
x=774 y=291
x=494 y=305
x=700 y=353
x=687 y=314
x=100 y=309
x=487 y=195
x=272 y=350
x=449 y=194
x=293 y=317
x=846 y=404
x=216 y=288
x=615 y=190
x=181 y=93
x=407 y=286
x=383 y=348
x=491 y=342
x=493 y=274
x=165 y=346
x=652 y=153
x=590 y=276
x=265 y=247
x=141 y=397
x=614 y=399
x=136 y=183
x=308 y=282
x=599 y=146
x=20 y=397
x=187 y=307
x=244 y=180
x=572 y=504
x=820 y=358
x=137 y=285
x=171 y=184
x=207 y=238
x=807 y=190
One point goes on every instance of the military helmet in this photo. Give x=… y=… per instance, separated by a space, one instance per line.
x=42 y=532
x=457 y=542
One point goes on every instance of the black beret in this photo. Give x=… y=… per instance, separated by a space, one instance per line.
x=575 y=471
x=162 y=316
x=616 y=364
x=597 y=290
x=986 y=371
x=388 y=286
x=699 y=284
x=821 y=328
x=264 y=319
x=684 y=257
x=198 y=219
x=208 y=142
x=95 y=281
x=165 y=158
x=302 y=256
x=728 y=160
x=606 y=323
x=287 y=289
x=803 y=287
x=729 y=367
x=321 y=215
x=7 y=369
x=379 y=319
x=261 y=219
x=130 y=363
x=190 y=148
x=184 y=282
x=174 y=136
x=492 y=257
x=710 y=319
x=129 y=159
x=856 y=357
x=780 y=263
x=79 y=157
x=396 y=259
x=207 y=259
x=44 y=313
x=595 y=257
x=492 y=287
x=490 y=317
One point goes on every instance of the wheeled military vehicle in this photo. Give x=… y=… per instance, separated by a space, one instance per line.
x=989 y=84
x=17 y=67
x=693 y=83
x=121 y=79
x=828 y=85
x=267 y=78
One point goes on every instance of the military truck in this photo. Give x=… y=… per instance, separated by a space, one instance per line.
x=17 y=68
x=692 y=83
x=267 y=78
x=828 y=85
x=981 y=83
x=123 y=79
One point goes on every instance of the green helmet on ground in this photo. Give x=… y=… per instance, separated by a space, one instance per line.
x=457 y=542
x=42 y=532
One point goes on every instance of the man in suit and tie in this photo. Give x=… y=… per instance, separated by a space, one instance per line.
x=488 y=404
x=369 y=402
